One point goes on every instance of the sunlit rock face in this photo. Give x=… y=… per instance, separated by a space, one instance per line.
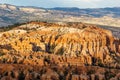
x=89 y=43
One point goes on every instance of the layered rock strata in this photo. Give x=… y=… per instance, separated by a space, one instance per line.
x=90 y=44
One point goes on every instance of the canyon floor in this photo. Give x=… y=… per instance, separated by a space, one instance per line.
x=59 y=51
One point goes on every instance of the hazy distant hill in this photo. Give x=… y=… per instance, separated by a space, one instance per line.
x=10 y=14
x=96 y=12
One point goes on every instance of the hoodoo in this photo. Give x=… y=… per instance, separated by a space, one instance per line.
x=65 y=51
x=89 y=43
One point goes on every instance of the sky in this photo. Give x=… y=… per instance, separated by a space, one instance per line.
x=64 y=3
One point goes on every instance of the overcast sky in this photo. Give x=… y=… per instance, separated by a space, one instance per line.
x=65 y=3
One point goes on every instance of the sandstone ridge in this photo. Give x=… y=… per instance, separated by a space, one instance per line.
x=89 y=43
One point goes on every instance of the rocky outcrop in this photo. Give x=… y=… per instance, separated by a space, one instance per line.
x=29 y=72
x=91 y=44
x=59 y=52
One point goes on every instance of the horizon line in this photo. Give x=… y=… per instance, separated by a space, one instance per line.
x=56 y=6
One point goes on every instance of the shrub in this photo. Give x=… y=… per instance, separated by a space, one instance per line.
x=60 y=51
x=4 y=60
x=91 y=71
x=100 y=63
x=9 y=27
x=2 y=53
x=108 y=75
x=21 y=76
x=51 y=48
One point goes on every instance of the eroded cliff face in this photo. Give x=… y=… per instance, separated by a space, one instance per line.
x=90 y=44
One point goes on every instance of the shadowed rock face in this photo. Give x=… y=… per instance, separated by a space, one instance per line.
x=52 y=44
